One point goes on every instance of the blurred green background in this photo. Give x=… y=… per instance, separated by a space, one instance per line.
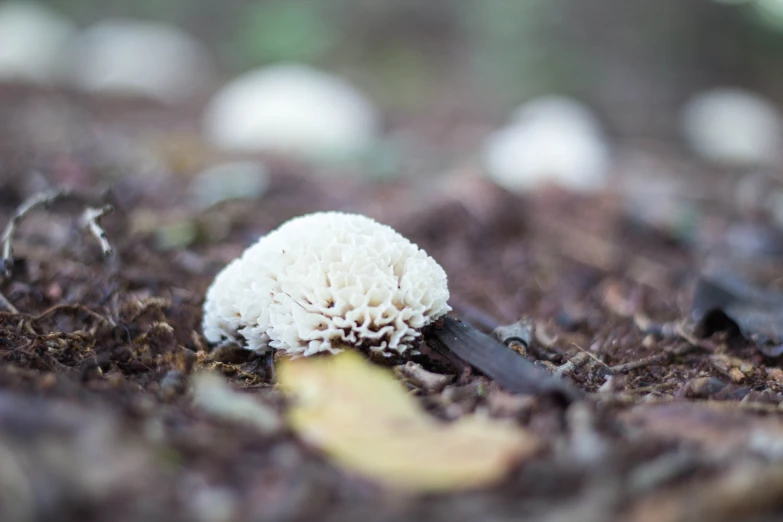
x=491 y=54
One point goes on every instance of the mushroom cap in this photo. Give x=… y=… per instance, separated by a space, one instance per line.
x=129 y=57
x=550 y=140
x=324 y=282
x=292 y=109
x=31 y=41
x=733 y=127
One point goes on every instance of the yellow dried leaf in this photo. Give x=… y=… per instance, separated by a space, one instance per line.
x=367 y=423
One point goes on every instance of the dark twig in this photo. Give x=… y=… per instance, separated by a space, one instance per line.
x=496 y=360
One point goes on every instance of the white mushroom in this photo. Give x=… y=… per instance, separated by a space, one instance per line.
x=324 y=282
x=551 y=140
x=292 y=109
x=733 y=127
x=128 y=57
x=31 y=42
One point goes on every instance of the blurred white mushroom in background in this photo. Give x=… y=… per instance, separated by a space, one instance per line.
x=31 y=41
x=291 y=109
x=552 y=140
x=733 y=128
x=555 y=107
x=128 y=57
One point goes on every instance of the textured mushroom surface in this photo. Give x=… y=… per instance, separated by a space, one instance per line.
x=324 y=282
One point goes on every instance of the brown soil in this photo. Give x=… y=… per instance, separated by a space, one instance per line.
x=96 y=421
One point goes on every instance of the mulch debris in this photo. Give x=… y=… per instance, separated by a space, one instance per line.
x=662 y=414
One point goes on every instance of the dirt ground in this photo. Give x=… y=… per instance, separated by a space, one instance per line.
x=96 y=418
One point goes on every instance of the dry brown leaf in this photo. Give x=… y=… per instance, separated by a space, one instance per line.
x=364 y=420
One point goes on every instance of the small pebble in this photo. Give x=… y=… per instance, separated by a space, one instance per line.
x=703 y=387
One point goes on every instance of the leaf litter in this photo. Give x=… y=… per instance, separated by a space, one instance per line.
x=116 y=346
x=367 y=423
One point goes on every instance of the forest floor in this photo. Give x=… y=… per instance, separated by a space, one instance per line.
x=680 y=419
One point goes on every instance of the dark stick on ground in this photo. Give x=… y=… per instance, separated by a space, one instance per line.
x=497 y=361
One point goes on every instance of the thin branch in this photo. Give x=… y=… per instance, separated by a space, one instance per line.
x=641 y=363
x=90 y=219
x=577 y=361
x=692 y=340
x=70 y=307
x=42 y=199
